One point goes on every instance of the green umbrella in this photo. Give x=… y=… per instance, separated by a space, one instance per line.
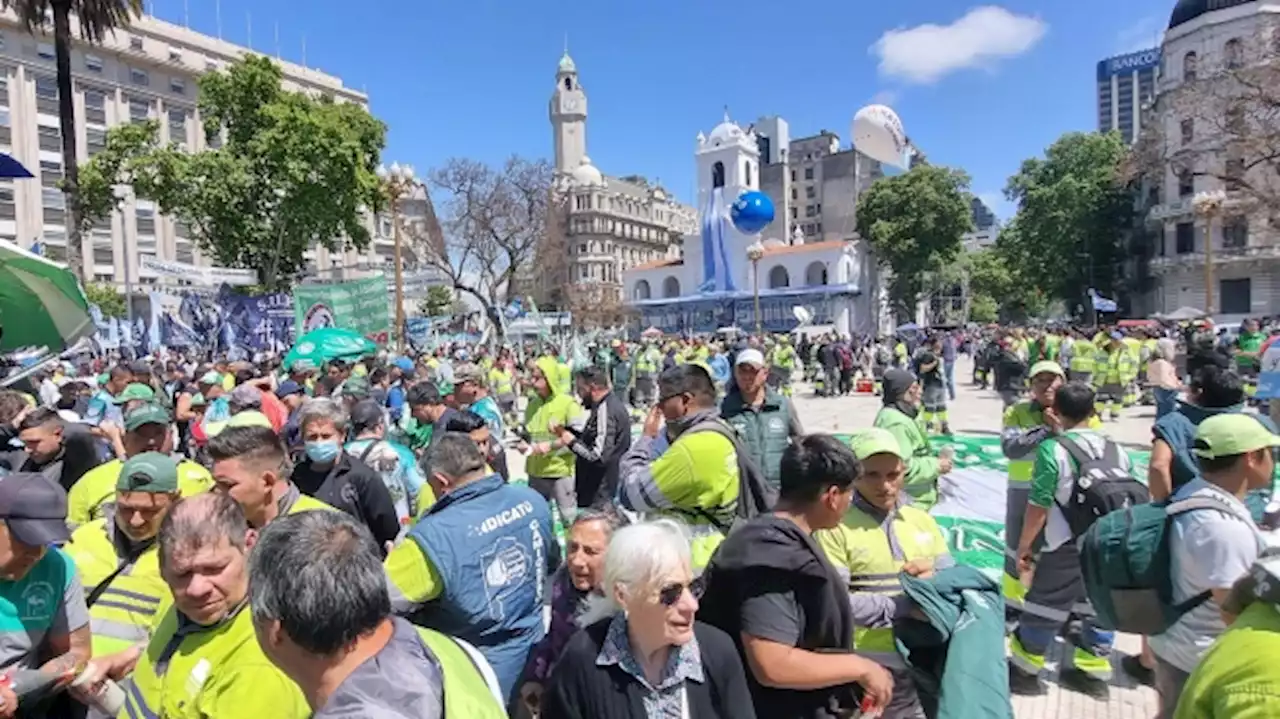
x=41 y=302
x=330 y=343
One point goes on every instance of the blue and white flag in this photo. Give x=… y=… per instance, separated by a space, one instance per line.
x=1100 y=303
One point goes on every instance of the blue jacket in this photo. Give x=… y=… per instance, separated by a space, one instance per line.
x=493 y=546
x=952 y=657
x=1178 y=430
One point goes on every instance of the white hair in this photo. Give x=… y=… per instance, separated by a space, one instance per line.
x=639 y=557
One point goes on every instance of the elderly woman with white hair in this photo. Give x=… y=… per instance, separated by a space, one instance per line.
x=641 y=653
x=1163 y=377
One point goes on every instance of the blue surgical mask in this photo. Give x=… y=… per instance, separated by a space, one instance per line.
x=322 y=451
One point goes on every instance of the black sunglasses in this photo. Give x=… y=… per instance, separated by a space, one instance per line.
x=671 y=593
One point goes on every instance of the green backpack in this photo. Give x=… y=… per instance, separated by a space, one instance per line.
x=1125 y=560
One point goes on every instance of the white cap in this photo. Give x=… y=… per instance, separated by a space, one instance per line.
x=750 y=356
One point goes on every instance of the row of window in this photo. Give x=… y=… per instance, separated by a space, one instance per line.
x=810 y=192
x=137 y=76
x=1235 y=235
x=617 y=204
x=628 y=230
x=808 y=174
x=1232 y=55
x=594 y=271
x=813 y=210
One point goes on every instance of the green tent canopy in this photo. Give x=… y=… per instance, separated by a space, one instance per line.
x=41 y=302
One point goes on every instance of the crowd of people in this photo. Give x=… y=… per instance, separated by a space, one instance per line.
x=231 y=539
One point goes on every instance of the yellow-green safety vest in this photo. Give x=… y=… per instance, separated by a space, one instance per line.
x=217 y=671
x=1082 y=356
x=123 y=613
x=502 y=381
x=466 y=693
x=872 y=566
x=1028 y=415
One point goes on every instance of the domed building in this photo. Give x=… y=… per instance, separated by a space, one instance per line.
x=604 y=224
x=1207 y=139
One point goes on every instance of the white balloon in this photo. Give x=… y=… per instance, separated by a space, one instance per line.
x=877 y=133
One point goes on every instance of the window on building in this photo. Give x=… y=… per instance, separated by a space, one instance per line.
x=139 y=110
x=50 y=138
x=185 y=252
x=53 y=198
x=175 y=55
x=817 y=208
x=47 y=94
x=1237 y=296
x=717 y=175
x=135 y=42
x=103 y=254
x=1233 y=53
x=1235 y=232
x=1 y=42
x=808 y=210
x=7 y=207
x=54 y=216
x=746 y=173
x=50 y=174
x=793 y=212
x=808 y=173
x=6 y=132
x=794 y=194
x=95 y=107
x=810 y=192
x=177 y=86
x=1185 y=238
x=1188 y=127
x=95 y=140
x=178 y=126
x=93 y=63
x=1189 y=67
x=1186 y=184
x=1233 y=172
x=146 y=218
x=46 y=50
x=139 y=77
x=793 y=175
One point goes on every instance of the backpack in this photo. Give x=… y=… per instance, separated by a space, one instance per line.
x=884 y=356
x=755 y=495
x=1102 y=486
x=1126 y=565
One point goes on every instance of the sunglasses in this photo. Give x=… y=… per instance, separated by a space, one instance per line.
x=671 y=593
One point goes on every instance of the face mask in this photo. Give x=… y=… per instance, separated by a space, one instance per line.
x=322 y=451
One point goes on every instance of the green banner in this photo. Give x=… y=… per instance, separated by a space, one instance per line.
x=358 y=305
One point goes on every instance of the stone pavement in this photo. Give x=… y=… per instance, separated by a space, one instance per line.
x=977 y=411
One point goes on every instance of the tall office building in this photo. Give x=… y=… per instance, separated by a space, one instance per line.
x=1125 y=84
x=147 y=71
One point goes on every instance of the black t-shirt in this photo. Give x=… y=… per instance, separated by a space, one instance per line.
x=774 y=614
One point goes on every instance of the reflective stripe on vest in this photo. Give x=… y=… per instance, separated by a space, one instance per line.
x=879 y=569
x=126 y=608
x=1082 y=356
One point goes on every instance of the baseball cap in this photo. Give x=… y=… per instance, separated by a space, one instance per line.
x=149 y=413
x=210 y=377
x=404 y=363
x=468 y=373
x=874 y=440
x=135 y=391
x=288 y=388
x=356 y=387
x=34 y=508
x=152 y=472
x=1227 y=435
x=1047 y=367
x=1117 y=335
x=750 y=356
x=246 y=396
x=247 y=418
x=303 y=364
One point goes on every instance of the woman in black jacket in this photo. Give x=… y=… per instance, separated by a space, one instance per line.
x=642 y=655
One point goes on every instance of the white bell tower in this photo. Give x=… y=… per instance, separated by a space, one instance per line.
x=729 y=158
x=568 y=117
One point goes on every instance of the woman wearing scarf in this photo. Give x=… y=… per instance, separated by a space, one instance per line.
x=898 y=416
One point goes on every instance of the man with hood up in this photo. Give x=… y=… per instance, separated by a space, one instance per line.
x=550 y=462
x=898 y=415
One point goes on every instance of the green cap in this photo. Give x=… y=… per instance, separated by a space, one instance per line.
x=134 y=392
x=1047 y=367
x=1227 y=435
x=210 y=377
x=149 y=472
x=874 y=441
x=149 y=413
x=356 y=387
x=302 y=364
x=446 y=388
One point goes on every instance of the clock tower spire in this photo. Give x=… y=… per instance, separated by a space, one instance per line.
x=568 y=116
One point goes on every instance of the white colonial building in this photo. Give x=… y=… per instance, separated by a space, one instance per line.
x=714 y=284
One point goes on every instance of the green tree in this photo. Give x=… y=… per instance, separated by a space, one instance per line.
x=294 y=172
x=914 y=223
x=1073 y=214
x=96 y=18
x=439 y=301
x=983 y=308
x=107 y=298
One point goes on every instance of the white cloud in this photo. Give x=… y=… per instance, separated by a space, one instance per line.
x=1146 y=33
x=926 y=53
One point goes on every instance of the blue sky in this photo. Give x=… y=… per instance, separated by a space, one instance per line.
x=982 y=89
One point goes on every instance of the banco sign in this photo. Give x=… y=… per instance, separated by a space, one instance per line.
x=1130 y=63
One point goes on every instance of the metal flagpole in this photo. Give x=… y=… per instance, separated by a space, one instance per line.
x=217 y=7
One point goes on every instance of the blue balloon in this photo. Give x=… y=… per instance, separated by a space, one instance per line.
x=751 y=212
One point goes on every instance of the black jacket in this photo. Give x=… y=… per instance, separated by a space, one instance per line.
x=598 y=449
x=355 y=488
x=761 y=556
x=579 y=689
x=1010 y=370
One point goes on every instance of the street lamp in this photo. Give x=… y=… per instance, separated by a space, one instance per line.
x=398 y=183
x=1208 y=205
x=755 y=251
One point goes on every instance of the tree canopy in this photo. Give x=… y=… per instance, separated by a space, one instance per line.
x=915 y=222
x=108 y=299
x=1074 y=212
x=294 y=172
